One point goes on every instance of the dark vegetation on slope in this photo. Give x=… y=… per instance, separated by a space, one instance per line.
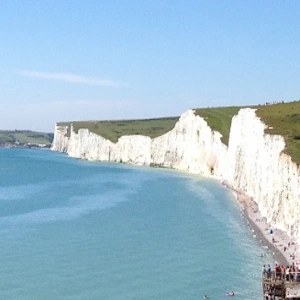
x=113 y=130
x=25 y=138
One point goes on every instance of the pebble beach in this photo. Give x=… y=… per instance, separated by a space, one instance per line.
x=283 y=247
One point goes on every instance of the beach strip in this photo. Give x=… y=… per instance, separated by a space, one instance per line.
x=283 y=247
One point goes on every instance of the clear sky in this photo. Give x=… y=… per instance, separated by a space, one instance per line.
x=97 y=60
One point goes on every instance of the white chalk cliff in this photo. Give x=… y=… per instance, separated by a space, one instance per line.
x=253 y=162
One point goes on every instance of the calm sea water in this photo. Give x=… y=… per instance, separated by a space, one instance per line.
x=72 y=229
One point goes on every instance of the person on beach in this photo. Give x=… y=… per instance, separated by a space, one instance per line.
x=282 y=272
x=287 y=273
x=269 y=271
x=292 y=272
x=277 y=271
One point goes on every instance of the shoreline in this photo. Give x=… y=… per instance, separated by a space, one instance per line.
x=283 y=247
x=262 y=235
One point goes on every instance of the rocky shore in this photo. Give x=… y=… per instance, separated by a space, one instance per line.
x=284 y=248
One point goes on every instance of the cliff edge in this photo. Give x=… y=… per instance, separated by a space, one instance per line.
x=253 y=162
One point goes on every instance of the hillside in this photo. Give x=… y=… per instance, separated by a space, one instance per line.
x=219 y=119
x=282 y=119
x=25 y=138
x=113 y=130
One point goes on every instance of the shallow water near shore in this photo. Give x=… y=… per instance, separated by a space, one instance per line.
x=72 y=229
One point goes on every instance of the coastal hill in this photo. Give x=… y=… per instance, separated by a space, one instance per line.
x=25 y=139
x=113 y=130
x=282 y=119
x=254 y=150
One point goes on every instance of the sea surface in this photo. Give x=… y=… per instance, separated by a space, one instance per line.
x=72 y=229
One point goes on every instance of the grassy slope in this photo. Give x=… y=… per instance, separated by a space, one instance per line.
x=113 y=130
x=25 y=137
x=284 y=118
x=219 y=119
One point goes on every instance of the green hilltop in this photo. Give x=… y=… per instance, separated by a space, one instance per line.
x=113 y=130
x=22 y=138
x=219 y=119
x=281 y=118
x=284 y=119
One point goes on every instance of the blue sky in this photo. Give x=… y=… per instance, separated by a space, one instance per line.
x=97 y=60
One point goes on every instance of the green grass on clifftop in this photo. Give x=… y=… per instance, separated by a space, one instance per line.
x=219 y=119
x=284 y=119
x=281 y=118
x=113 y=130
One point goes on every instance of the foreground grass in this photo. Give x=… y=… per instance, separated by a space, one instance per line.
x=113 y=130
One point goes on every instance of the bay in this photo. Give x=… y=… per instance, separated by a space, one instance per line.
x=72 y=229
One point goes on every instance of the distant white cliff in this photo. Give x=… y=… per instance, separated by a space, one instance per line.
x=252 y=163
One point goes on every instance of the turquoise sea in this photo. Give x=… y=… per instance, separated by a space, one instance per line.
x=72 y=229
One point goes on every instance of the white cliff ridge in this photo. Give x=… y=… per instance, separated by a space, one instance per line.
x=252 y=163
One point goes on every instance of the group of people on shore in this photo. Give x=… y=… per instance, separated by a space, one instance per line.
x=288 y=273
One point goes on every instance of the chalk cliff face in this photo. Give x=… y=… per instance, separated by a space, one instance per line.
x=260 y=169
x=61 y=138
x=253 y=162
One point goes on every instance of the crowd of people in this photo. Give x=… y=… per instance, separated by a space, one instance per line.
x=281 y=274
x=288 y=273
